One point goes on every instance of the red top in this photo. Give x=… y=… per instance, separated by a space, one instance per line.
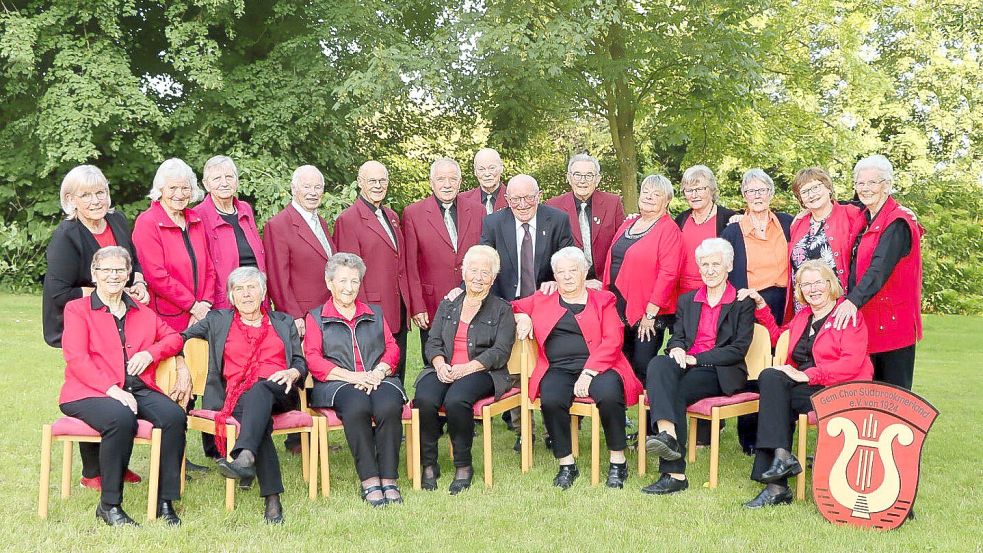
x=460 y=356
x=320 y=367
x=106 y=237
x=222 y=243
x=650 y=270
x=693 y=236
x=272 y=355
x=706 y=332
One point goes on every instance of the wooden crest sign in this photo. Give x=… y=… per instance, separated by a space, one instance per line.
x=868 y=452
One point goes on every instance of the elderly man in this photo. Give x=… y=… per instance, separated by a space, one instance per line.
x=439 y=231
x=594 y=215
x=372 y=231
x=490 y=192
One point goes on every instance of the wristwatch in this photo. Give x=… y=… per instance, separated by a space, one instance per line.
x=650 y=316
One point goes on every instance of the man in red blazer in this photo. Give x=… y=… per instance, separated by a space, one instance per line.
x=372 y=231
x=488 y=170
x=604 y=212
x=433 y=255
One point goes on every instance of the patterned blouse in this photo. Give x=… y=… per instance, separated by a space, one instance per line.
x=814 y=245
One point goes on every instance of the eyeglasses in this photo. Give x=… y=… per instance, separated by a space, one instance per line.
x=377 y=182
x=519 y=200
x=581 y=177
x=871 y=184
x=695 y=191
x=814 y=285
x=812 y=190
x=90 y=197
x=112 y=270
x=752 y=192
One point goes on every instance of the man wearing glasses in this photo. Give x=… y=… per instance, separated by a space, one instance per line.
x=490 y=193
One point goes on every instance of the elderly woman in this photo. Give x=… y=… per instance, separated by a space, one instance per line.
x=112 y=345
x=230 y=227
x=467 y=355
x=255 y=361
x=642 y=270
x=827 y=233
x=820 y=355
x=90 y=223
x=579 y=334
x=172 y=247
x=704 y=219
x=885 y=275
x=352 y=356
x=710 y=339
x=760 y=241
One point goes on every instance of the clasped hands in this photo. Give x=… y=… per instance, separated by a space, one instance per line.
x=447 y=373
x=369 y=381
x=681 y=358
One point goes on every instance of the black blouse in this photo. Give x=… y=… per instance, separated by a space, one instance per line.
x=565 y=347
x=246 y=256
x=618 y=251
x=802 y=353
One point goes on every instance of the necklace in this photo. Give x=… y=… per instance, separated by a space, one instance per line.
x=257 y=322
x=711 y=213
x=759 y=227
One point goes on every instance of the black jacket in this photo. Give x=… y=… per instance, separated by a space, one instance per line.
x=490 y=338
x=214 y=328
x=722 y=218
x=69 y=256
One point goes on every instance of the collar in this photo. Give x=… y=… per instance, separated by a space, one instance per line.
x=370 y=205
x=747 y=229
x=164 y=220
x=303 y=212
x=577 y=201
x=730 y=294
x=493 y=194
x=442 y=206
x=330 y=311
x=97 y=303
x=532 y=223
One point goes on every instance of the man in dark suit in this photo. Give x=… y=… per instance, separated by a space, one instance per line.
x=602 y=212
x=488 y=170
x=439 y=230
x=372 y=231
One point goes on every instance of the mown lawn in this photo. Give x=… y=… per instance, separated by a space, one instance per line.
x=521 y=513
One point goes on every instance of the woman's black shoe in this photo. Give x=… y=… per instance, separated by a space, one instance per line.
x=244 y=466
x=665 y=446
x=765 y=499
x=617 y=474
x=666 y=485
x=190 y=467
x=273 y=514
x=566 y=476
x=165 y=512
x=397 y=499
x=374 y=502
x=430 y=475
x=461 y=484
x=114 y=516
x=781 y=469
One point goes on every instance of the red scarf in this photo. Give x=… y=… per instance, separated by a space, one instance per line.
x=234 y=390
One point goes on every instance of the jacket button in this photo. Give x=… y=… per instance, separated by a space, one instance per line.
x=128 y=346
x=882 y=327
x=836 y=254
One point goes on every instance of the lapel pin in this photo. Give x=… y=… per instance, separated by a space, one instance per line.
x=597 y=220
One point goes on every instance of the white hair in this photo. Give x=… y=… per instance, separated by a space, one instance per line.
x=757 y=174
x=83 y=175
x=343 y=259
x=712 y=246
x=661 y=184
x=444 y=161
x=584 y=157
x=175 y=168
x=245 y=274
x=700 y=174
x=878 y=163
x=480 y=251
x=216 y=162
x=570 y=253
x=111 y=252
x=299 y=172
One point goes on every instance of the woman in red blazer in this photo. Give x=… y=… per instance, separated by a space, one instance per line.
x=819 y=355
x=173 y=249
x=579 y=334
x=642 y=270
x=112 y=346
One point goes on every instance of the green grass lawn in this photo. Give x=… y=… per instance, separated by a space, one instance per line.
x=523 y=512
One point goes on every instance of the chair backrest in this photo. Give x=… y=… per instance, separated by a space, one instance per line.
x=515 y=360
x=196 y=355
x=781 y=349
x=759 y=354
x=166 y=374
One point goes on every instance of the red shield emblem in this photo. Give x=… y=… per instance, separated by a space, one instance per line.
x=868 y=452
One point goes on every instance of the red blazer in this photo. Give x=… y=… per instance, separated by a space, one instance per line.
x=894 y=313
x=840 y=355
x=602 y=330
x=474 y=195
x=94 y=355
x=650 y=271
x=222 y=243
x=432 y=265
x=167 y=267
x=607 y=214
x=296 y=263
x=358 y=231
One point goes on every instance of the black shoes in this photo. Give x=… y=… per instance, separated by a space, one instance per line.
x=766 y=499
x=566 y=476
x=396 y=497
x=617 y=474
x=374 y=502
x=190 y=467
x=246 y=483
x=273 y=514
x=666 y=485
x=665 y=446
x=430 y=475
x=165 y=512
x=781 y=469
x=243 y=467
x=461 y=484
x=114 y=516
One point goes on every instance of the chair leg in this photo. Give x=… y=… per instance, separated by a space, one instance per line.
x=486 y=431
x=595 y=446
x=575 y=435
x=45 y=479
x=642 y=434
x=305 y=452
x=230 y=483
x=323 y=450
x=714 y=446
x=314 y=453
x=66 y=469
x=408 y=432
x=800 y=480
x=450 y=449
x=417 y=470
x=184 y=472
x=153 y=480
x=525 y=434
x=691 y=440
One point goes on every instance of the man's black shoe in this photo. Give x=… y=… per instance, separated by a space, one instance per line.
x=194 y=467
x=165 y=512
x=781 y=469
x=566 y=476
x=617 y=474
x=114 y=516
x=766 y=499
x=666 y=485
x=665 y=446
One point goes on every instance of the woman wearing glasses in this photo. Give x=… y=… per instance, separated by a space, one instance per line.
x=704 y=219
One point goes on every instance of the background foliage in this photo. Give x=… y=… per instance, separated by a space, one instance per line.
x=645 y=86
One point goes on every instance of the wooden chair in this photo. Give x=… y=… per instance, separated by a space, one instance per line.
x=203 y=420
x=806 y=420
x=70 y=430
x=714 y=409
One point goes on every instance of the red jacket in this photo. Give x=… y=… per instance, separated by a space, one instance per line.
x=432 y=265
x=296 y=263
x=167 y=267
x=894 y=313
x=602 y=329
x=840 y=355
x=474 y=195
x=607 y=214
x=650 y=271
x=94 y=355
x=358 y=231
x=222 y=243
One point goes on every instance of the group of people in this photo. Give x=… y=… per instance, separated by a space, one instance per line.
x=474 y=271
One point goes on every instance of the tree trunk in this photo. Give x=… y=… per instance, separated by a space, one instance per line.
x=621 y=121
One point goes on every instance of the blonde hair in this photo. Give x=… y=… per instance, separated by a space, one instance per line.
x=83 y=175
x=827 y=274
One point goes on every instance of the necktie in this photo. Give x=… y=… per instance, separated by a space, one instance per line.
x=449 y=223
x=527 y=272
x=385 y=225
x=585 y=232
x=319 y=234
x=489 y=204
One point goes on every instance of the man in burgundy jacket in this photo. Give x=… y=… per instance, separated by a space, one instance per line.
x=372 y=231
x=603 y=211
x=489 y=193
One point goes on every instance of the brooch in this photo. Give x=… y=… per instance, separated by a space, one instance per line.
x=597 y=220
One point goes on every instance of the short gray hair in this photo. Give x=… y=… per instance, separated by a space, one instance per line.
x=343 y=259
x=757 y=174
x=82 y=175
x=478 y=251
x=661 y=184
x=877 y=162
x=218 y=161
x=570 y=253
x=244 y=274
x=111 y=252
x=584 y=157
x=175 y=168
x=700 y=174
x=298 y=172
x=711 y=246
x=444 y=161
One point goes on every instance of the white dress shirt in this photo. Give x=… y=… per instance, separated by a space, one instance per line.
x=519 y=233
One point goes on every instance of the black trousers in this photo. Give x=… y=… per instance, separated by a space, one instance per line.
x=782 y=401
x=556 y=397
x=400 y=338
x=255 y=411
x=424 y=336
x=895 y=367
x=641 y=353
x=457 y=399
x=118 y=427
x=376 y=450
x=670 y=390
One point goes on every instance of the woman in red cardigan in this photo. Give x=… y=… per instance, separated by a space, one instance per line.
x=820 y=355
x=112 y=346
x=579 y=335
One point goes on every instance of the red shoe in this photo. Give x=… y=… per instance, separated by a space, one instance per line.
x=94 y=483
x=131 y=477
